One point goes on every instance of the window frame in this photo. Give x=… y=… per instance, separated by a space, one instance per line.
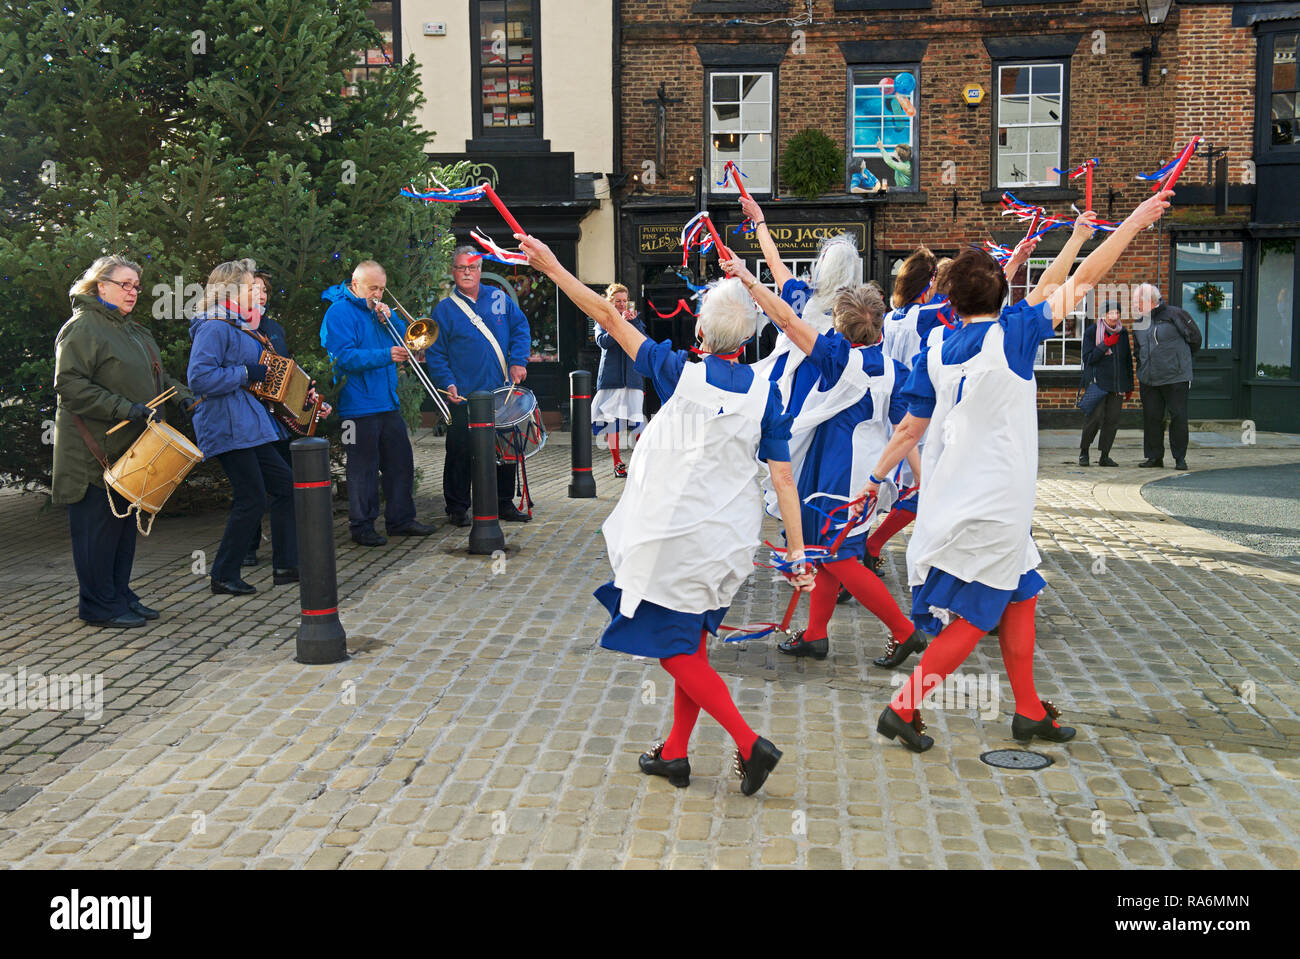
x=740 y=70
x=1085 y=313
x=507 y=133
x=1063 y=158
x=913 y=67
x=372 y=68
x=1265 y=149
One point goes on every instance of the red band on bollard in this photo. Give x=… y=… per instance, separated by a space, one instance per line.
x=320 y=485
x=579 y=397
x=481 y=425
x=485 y=519
x=582 y=469
x=320 y=612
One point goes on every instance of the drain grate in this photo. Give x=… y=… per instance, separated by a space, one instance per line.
x=1016 y=759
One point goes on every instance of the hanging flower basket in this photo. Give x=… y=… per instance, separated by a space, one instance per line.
x=1209 y=297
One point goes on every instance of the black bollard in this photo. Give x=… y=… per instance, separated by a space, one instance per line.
x=582 y=485
x=321 y=637
x=485 y=537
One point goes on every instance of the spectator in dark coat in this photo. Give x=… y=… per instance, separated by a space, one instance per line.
x=1164 y=341
x=1108 y=362
x=620 y=390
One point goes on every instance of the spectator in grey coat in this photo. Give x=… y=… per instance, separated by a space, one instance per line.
x=1164 y=340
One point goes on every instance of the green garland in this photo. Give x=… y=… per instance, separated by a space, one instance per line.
x=1209 y=297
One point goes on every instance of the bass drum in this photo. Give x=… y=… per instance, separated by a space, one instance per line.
x=520 y=434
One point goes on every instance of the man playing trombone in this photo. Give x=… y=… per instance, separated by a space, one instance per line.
x=355 y=335
x=463 y=360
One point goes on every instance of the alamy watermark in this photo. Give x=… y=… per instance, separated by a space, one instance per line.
x=57 y=692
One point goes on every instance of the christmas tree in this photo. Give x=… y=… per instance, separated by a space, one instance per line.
x=181 y=134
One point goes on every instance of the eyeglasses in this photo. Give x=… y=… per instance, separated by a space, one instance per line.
x=126 y=286
x=472 y=268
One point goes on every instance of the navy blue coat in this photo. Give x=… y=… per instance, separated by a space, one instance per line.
x=230 y=417
x=616 y=367
x=1111 y=366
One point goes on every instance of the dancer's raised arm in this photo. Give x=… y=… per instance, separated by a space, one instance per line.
x=780 y=272
x=803 y=336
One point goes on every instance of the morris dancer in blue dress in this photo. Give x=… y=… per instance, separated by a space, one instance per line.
x=971 y=560
x=682 y=537
x=839 y=433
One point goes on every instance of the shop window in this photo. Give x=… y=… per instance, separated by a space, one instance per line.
x=1208 y=255
x=386 y=17
x=883 y=128
x=1275 y=311
x=1064 y=351
x=740 y=128
x=1029 y=124
x=1284 y=116
x=506 y=52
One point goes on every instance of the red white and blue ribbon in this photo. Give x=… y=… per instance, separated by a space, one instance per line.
x=1084 y=169
x=700 y=234
x=497 y=253
x=734 y=173
x=444 y=194
x=1000 y=253
x=1168 y=175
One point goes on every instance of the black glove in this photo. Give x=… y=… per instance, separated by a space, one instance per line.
x=256 y=372
x=139 y=413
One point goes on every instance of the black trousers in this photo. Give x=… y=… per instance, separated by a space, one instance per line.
x=455 y=468
x=1104 y=418
x=1156 y=400
x=281 y=447
x=103 y=551
x=380 y=455
x=260 y=478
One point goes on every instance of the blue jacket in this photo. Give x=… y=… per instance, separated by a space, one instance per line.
x=362 y=350
x=230 y=417
x=462 y=356
x=616 y=367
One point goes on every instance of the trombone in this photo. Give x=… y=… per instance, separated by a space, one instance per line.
x=420 y=335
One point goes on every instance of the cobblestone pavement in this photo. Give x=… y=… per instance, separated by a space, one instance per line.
x=478 y=723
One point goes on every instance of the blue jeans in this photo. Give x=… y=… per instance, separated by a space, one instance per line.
x=259 y=477
x=380 y=446
x=103 y=551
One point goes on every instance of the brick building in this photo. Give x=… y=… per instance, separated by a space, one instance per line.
x=702 y=81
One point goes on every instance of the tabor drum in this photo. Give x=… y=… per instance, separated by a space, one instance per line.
x=147 y=473
x=520 y=433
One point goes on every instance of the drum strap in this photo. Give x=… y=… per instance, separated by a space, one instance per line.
x=91 y=445
x=487 y=334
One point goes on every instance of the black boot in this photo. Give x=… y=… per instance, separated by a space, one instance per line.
x=796 y=645
x=753 y=772
x=896 y=653
x=1024 y=730
x=1083 y=458
x=891 y=725
x=677 y=771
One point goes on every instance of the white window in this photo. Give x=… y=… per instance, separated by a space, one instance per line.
x=1064 y=351
x=740 y=129
x=1029 y=124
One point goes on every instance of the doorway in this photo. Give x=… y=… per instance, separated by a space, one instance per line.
x=1208 y=283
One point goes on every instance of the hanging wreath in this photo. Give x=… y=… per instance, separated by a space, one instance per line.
x=1209 y=297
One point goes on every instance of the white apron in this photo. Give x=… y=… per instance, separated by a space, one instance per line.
x=869 y=436
x=980 y=466
x=819 y=321
x=684 y=531
x=901 y=341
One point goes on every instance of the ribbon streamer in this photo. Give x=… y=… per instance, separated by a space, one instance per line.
x=681 y=305
x=1168 y=175
x=497 y=253
x=1083 y=169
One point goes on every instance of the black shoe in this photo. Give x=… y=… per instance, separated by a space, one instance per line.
x=413 y=529
x=1106 y=461
x=369 y=538
x=1083 y=459
x=233 y=587
x=620 y=470
x=459 y=519
x=140 y=609
x=1152 y=464
x=876 y=564
x=677 y=771
x=1180 y=464
x=251 y=559
x=508 y=514
x=844 y=597
x=896 y=653
x=797 y=646
x=891 y=725
x=125 y=621
x=753 y=773
x=283 y=577
x=1024 y=730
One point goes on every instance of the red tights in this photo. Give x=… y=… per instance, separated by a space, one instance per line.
x=866 y=588
x=951 y=647
x=613 y=447
x=896 y=520
x=697 y=686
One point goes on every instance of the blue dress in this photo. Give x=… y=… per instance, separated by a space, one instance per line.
x=1024 y=328
x=828 y=464
x=654 y=630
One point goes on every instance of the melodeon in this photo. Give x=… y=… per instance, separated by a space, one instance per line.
x=285 y=389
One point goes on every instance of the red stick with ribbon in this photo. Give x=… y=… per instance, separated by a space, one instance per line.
x=1168 y=182
x=718 y=246
x=501 y=208
x=735 y=176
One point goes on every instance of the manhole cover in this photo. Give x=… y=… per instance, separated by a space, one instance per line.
x=1016 y=759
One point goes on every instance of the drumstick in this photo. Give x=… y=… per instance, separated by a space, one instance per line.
x=501 y=208
x=154 y=403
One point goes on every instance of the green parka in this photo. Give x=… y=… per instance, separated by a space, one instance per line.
x=103 y=363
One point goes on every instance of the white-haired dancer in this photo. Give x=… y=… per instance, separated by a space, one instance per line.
x=835 y=269
x=681 y=539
